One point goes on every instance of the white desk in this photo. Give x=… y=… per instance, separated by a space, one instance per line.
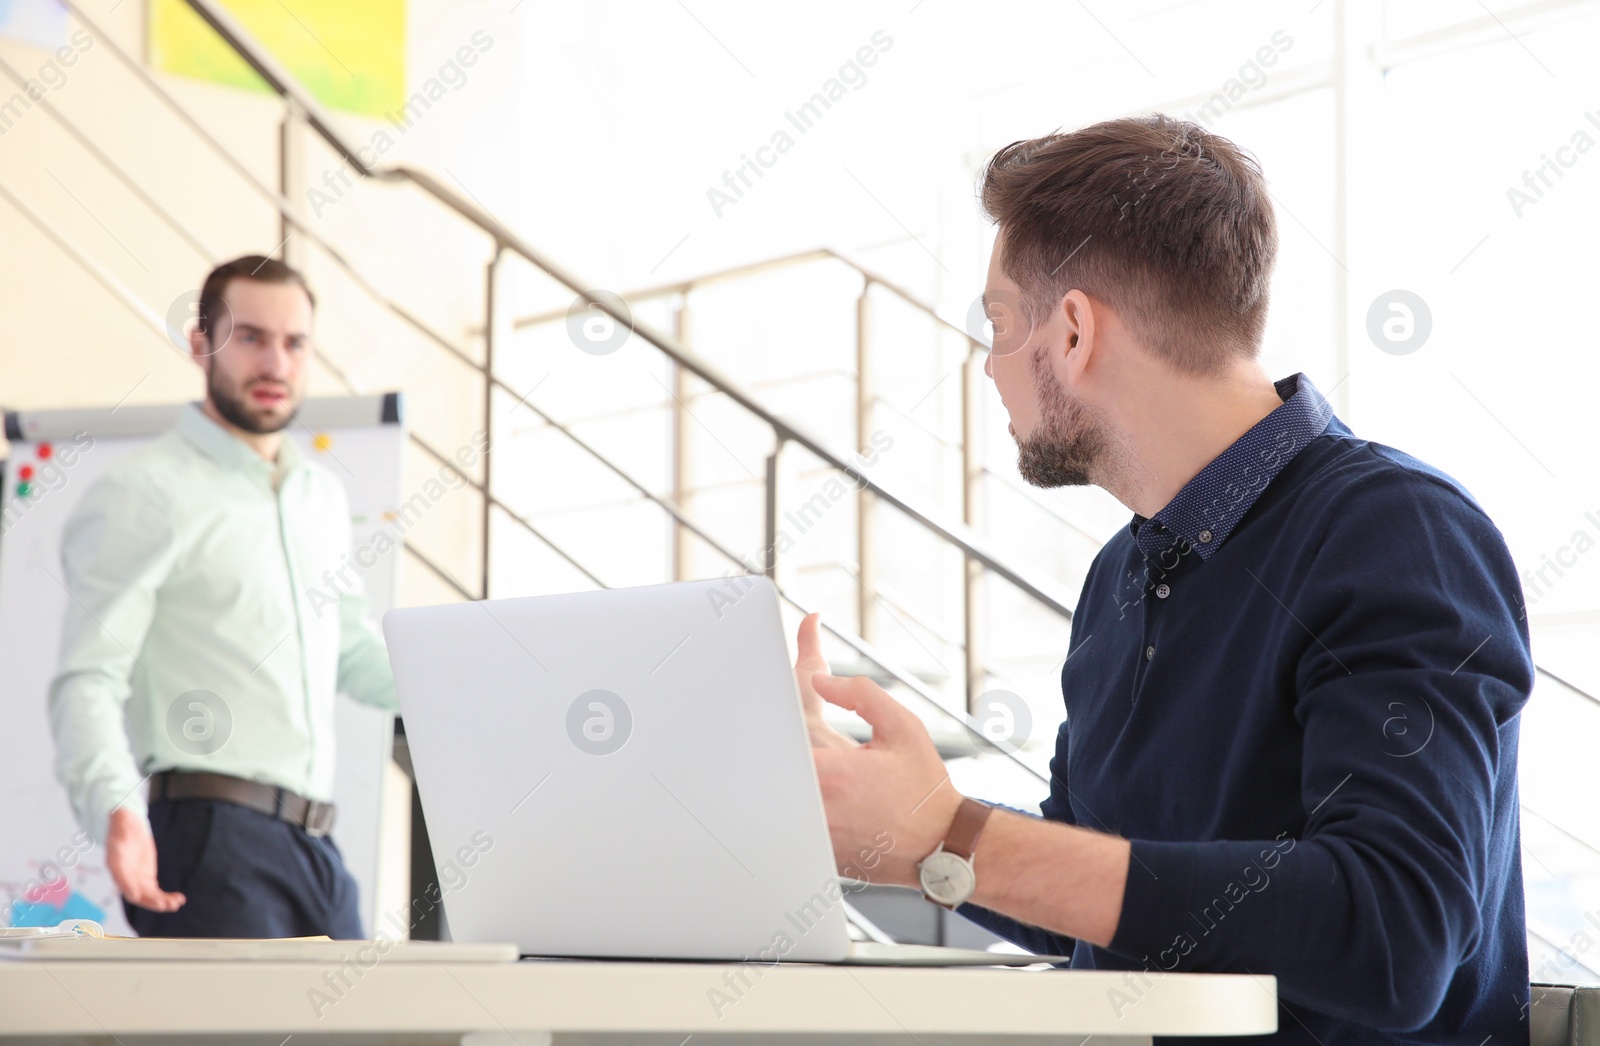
x=613 y=1003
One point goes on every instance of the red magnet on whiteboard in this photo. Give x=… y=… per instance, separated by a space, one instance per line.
x=25 y=472
x=44 y=451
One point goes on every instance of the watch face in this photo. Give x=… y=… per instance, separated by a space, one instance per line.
x=946 y=878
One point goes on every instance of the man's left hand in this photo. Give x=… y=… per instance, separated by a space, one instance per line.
x=894 y=784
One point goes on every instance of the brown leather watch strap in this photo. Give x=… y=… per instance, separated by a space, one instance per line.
x=962 y=838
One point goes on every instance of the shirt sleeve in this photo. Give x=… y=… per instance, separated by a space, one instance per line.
x=364 y=671
x=1414 y=667
x=116 y=551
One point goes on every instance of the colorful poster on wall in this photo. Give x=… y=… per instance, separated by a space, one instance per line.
x=349 y=56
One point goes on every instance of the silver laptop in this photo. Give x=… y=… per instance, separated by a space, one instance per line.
x=627 y=774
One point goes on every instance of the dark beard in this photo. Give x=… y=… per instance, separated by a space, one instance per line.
x=234 y=410
x=1069 y=442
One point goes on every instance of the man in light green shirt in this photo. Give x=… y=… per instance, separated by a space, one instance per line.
x=194 y=655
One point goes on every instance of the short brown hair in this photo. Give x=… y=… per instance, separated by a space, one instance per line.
x=250 y=267
x=1164 y=221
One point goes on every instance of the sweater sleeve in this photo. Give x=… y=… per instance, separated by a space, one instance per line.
x=1414 y=667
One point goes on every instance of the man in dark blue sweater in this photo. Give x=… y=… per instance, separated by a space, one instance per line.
x=1294 y=680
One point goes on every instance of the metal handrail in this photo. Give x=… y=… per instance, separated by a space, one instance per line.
x=285 y=86
x=978 y=559
x=283 y=83
x=782 y=261
x=747 y=269
x=862 y=649
x=871 y=277
x=679 y=286
x=1043 y=592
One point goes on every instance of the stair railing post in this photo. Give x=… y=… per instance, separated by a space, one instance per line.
x=773 y=506
x=291 y=178
x=681 y=329
x=971 y=512
x=491 y=285
x=866 y=504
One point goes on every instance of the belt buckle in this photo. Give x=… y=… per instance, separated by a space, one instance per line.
x=319 y=818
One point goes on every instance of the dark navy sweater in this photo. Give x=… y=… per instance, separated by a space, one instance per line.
x=1296 y=690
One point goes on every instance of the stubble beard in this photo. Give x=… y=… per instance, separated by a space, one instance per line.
x=236 y=410
x=1068 y=446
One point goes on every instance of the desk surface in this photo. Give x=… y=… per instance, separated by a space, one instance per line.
x=596 y=1001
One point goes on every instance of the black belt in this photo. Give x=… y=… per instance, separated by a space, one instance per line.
x=315 y=816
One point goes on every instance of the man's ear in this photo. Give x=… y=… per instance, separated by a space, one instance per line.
x=1078 y=314
x=200 y=348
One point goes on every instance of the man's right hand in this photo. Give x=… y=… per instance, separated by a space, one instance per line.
x=131 y=860
x=808 y=663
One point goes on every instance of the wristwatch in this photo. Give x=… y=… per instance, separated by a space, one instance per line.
x=946 y=874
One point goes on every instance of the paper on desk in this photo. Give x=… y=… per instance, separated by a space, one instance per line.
x=323 y=949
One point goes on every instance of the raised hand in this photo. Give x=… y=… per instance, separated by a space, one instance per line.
x=892 y=791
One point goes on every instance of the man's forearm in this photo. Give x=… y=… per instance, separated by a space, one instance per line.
x=1056 y=876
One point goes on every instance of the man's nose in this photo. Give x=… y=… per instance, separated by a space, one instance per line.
x=275 y=361
x=988 y=364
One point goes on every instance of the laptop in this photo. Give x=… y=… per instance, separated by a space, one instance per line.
x=627 y=774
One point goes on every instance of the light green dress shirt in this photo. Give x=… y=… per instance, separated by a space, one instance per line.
x=192 y=637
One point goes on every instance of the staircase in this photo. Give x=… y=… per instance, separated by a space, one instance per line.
x=803 y=417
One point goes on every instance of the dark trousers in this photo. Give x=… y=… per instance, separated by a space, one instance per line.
x=245 y=875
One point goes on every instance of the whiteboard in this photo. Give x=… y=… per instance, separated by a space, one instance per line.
x=48 y=869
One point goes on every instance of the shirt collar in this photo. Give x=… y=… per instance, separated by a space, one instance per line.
x=1207 y=508
x=217 y=443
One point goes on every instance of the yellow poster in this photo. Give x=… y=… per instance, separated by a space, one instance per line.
x=350 y=56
